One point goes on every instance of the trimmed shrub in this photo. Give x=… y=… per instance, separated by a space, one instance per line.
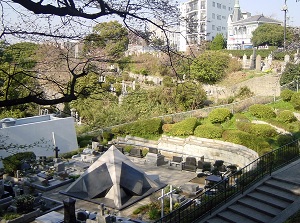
x=140 y=128
x=167 y=128
x=286 y=116
x=284 y=139
x=262 y=111
x=184 y=128
x=253 y=142
x=208 y=131
x=262 y=130
x=219 y=115
x=295 y=100
x=286 y=94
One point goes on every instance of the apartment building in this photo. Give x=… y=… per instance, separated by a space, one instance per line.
x=203 y=20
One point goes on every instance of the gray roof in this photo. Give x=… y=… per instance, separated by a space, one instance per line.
x=113 y=180
x=257 y=19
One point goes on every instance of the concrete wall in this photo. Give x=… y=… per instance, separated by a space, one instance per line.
x=197 y=147
x=38 y=132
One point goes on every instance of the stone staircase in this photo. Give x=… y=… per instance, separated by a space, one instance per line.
x=264 y=204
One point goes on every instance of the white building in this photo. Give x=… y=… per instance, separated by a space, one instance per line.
x=241 y=25
x=203 y=20
x=39 y=134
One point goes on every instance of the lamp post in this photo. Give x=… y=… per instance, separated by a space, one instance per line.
x=284 y=8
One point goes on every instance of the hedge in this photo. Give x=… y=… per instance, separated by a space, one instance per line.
x=219 y=115
x=284 y=139
x=250 y=141
x=286 y=116
x=286 y=94
x=209 y=131
x=295 y=100
x=262 y=111
x=184 y=128
x=262 y=130
x=140 y=128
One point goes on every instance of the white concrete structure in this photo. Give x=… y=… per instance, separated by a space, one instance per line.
x=210 y=149
x=241 y=25
x=203 y=20
x=39 y=134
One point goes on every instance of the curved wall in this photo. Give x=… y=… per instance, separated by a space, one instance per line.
x=210 y=149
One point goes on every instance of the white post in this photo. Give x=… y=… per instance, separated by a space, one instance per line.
x=53 y=137
x=171 y=203
x=162 y=203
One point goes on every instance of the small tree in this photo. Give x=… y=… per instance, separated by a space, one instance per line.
x=218 y=42
x=210 y=67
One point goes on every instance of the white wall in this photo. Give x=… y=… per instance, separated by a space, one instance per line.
x=40 y=129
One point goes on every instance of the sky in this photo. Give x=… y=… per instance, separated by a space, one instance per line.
x=272 y=8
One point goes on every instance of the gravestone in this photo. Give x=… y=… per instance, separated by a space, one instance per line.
x=244 y=61
x=59 y=167
x=287 y=58
x=1 y=187
x=69 y=210
x=258 y=63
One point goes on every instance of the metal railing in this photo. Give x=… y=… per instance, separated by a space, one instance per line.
x=232 y=185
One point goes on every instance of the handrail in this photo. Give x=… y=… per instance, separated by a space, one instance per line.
x=232 y=185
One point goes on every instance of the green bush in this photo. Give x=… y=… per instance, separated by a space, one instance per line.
x=284 y=139
x=167 y=128
x=219 y=115
x=295 y=100
x=208 y=131
x=286 y=94
x=184 y=128
x=142 y=128
x=262 y=130
x=24 y=203
x=154 y=213
x=13 y=163
x=286 y=116
x=253 y=142
x=262 y=111
x=11 y=216
x=128 y=148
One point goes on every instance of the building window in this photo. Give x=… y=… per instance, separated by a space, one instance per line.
x=213 y=16
x=213 y=27
x=214 y=4
x=223 y=28
x=202 y=4
x=219 y=5
x=223 y=17
x=219 y=28
x=224 y=6
x=219 y=17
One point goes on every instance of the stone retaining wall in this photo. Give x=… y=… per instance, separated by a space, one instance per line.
x=197 y=147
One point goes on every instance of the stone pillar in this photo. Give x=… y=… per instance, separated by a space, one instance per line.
x=258 y=63
x=252 y=59
x=69 y=210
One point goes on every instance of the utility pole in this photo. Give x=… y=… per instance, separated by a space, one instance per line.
x=284 y=8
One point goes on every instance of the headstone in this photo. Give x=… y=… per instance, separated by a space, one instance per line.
x=59 y=167
x=287 y=58
x=244 y=61
x=258 y=63
x=56 y=160
x=1 y=187
x=69 y=210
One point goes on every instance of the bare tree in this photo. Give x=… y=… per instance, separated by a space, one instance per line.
x=54 y=21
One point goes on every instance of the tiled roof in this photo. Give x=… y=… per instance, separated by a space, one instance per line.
x=257 y=19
